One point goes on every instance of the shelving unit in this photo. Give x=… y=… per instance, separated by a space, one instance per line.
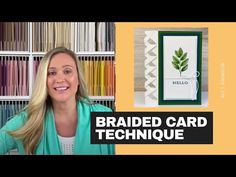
x=91 y=41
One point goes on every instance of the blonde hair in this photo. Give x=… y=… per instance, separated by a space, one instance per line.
x=32 y=130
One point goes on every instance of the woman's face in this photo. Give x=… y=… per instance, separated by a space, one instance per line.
x=62 y=79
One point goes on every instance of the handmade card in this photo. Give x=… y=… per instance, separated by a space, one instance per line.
x=180 y=55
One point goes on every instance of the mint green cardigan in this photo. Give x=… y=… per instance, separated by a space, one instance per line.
x=49 y=142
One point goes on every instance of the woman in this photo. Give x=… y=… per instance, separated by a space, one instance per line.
x=57 y=118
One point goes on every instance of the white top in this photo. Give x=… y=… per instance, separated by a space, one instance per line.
x=67 y=144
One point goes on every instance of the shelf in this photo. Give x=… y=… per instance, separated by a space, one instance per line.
x=25 y=44
x=95 y=53
x=40 y=43
x=14 y=53
x=111 y=98
x=26 y=98
x=14 y=98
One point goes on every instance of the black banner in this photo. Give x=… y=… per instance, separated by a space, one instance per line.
x=152 y=128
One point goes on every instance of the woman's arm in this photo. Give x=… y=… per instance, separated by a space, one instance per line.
x=8 y=142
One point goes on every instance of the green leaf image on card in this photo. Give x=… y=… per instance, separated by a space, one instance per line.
x=180 y=60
